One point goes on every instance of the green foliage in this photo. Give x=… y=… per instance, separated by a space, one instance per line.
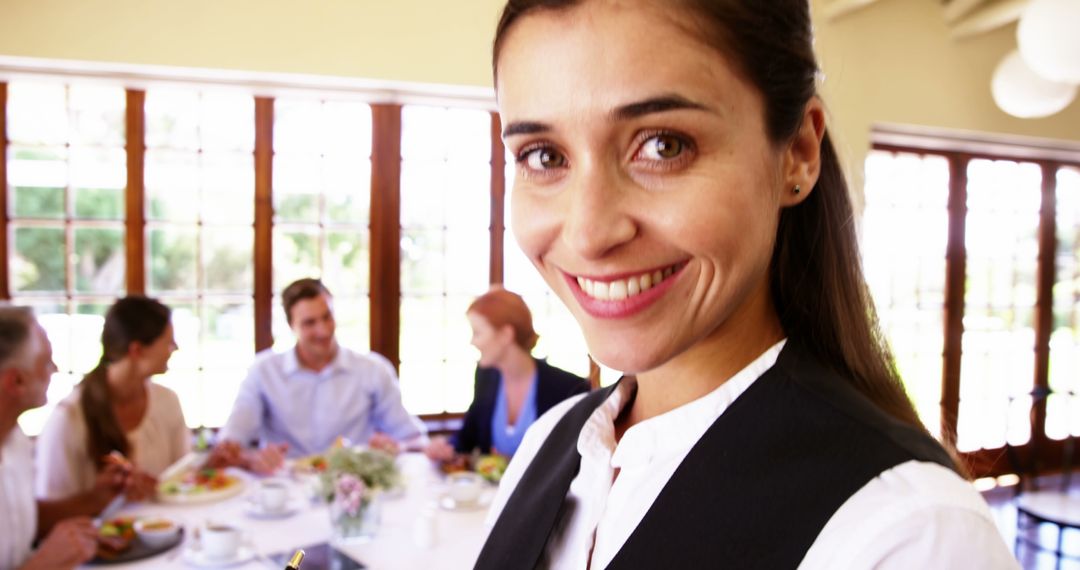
x=40 y=263
x=375 y=468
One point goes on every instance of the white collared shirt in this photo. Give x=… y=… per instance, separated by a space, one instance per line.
x=353 y=397
x=915 y=515
x=18 y=509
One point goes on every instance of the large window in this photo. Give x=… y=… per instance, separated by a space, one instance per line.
x=199 y=186
x=445 y=243
x=321 y=189
x=972 y=260
x=213 y=198
x=66 y=179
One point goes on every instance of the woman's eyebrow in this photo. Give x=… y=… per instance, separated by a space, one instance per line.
x=659 y=104
x=525 y=128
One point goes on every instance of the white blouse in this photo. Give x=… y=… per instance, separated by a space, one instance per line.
x=18 y=510
x=915 y=515
x=64 y=464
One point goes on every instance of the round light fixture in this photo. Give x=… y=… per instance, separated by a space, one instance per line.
x=1049 y=40
x=1020 y=91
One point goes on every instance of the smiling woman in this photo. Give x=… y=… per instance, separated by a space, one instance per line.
x=677 y=189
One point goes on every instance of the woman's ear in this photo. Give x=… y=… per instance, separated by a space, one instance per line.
x=135 y=349
x=506 y=334
x=802 y=159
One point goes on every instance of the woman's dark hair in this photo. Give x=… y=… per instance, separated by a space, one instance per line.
x=816 y=275
x=131 y=319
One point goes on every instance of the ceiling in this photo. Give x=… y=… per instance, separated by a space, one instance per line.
x=965 y=18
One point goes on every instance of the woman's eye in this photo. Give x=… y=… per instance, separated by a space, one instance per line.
x=543 y=159
x=662 y=147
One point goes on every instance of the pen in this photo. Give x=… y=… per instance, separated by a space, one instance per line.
x=294 y=562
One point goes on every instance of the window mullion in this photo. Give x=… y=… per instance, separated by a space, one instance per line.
x=135 y=193
x=5 y=290
x=264 y=228
x=1044 y=299
x=955 y=275
x=498 y=198
x=385 y=271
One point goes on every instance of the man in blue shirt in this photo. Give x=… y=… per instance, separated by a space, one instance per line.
x=307 y=397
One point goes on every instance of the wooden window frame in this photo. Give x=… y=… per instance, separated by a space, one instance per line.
x=959 y=151
x=385 y=210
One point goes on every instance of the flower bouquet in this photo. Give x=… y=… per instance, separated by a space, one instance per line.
x=352 y=484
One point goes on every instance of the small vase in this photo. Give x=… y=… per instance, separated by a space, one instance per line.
x=359 y=526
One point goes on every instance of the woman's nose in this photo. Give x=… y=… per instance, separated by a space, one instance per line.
x=596 y=219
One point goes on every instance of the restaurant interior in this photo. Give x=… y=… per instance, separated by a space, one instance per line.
x=208 y=153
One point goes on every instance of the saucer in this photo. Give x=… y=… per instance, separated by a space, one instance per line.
x=448 y=503
x=200 y=559
x=253 y=510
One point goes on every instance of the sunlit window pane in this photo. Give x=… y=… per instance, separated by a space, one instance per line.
x=445 y=248
x=296 y=254
x=97 y=115
x=322 y=180
x=999 y=306
x=36 y=265
x=1063 y=418
x=905 y=269
x=200 y=203
x=172 y=185
x=38 y=167
x=98 y=266
x=67 y=170
x=227 y=259
x=38 y=113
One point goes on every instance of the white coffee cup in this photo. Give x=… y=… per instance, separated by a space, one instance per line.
x=465 y=487
x=272 y=496
x=221 y=541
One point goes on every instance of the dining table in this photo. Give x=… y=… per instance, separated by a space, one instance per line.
x=451 y=537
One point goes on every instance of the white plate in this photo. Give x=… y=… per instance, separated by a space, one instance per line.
x=199 y=558
x=207 y=496
x=255 y=511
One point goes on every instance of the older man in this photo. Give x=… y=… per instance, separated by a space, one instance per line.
x=26 y=367
x=309 y=396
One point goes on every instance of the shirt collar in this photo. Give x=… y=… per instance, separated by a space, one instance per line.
x=291 y=363
x=670 y=434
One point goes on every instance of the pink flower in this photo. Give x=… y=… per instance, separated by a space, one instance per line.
x=349 y=493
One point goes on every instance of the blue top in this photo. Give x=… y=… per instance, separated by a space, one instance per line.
x=506 y=438
x=354 y=396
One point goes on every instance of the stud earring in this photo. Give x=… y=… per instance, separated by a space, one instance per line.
x=796 y=190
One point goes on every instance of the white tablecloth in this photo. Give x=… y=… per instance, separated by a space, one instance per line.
x=457 y=541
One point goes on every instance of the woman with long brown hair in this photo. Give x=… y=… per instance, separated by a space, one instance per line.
x=117 y=410
x=677 y=188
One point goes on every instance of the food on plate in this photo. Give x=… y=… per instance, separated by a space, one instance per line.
x=115 y=536
x=199 y=481
x=491 y=467
x=310 y=464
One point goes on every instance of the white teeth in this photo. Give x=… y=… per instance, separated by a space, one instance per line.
x=623 y=288
x=617 y=290
x=600 y=291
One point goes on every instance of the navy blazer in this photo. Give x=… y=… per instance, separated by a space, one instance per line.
x=553 y=385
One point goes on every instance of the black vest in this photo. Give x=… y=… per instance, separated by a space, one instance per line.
x=754 y=491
